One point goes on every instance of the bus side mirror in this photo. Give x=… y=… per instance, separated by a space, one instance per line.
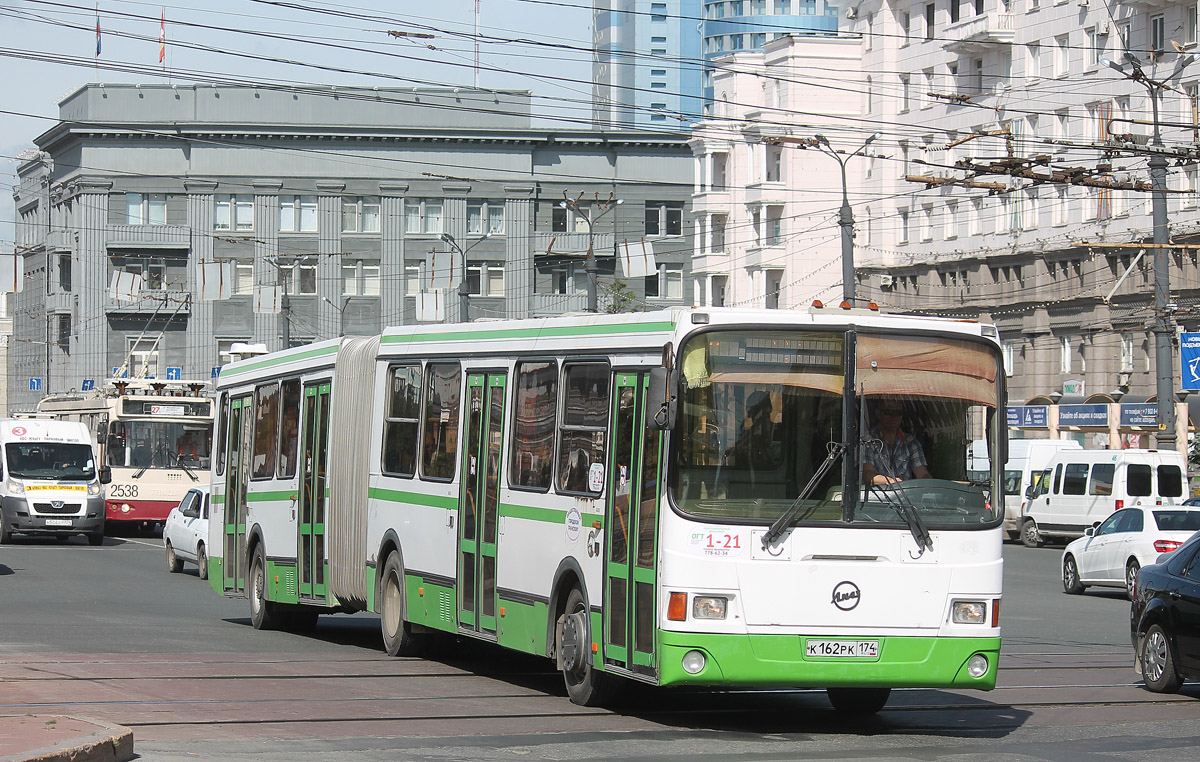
x=105 y=474
x=660 y=403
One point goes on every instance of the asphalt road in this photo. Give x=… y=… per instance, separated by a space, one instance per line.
x=108 y=633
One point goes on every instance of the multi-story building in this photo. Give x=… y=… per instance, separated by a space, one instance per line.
x=653 y=61
x=353 y=203
x=1024 y=83
x=765 y=210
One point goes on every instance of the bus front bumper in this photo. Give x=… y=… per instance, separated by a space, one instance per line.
x=779 y=661
x=19 y=518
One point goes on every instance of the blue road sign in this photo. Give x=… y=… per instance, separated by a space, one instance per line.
x=1189 y=358
x=88 y=384
x=216 y=371
x=1083 y=415
x=174 y=374
x=35 y=384
x=1139 y=414
x=1027 y=415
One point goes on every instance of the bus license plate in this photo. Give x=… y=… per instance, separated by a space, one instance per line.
x=58 y=522
x=859 y=648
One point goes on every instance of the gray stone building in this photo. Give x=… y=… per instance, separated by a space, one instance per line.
x=342 y=199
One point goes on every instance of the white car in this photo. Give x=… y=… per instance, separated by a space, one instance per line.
x=1111 y=553
x=186 y=532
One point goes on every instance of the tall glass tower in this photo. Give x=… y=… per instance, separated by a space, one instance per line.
x=651 y=63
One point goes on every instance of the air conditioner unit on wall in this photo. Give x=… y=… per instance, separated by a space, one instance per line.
x=885 y=281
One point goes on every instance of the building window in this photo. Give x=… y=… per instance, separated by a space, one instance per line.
x=658 y=12
x=664 y=218
x=1158 y=34
x=423 y=215
x=485 y=217
x=360 y=215
x=930 y=17
x=300 y=278
x=905 y=93
x=412 y=280
x=903 y=226
x=1189 y=33
x=1065 y=355
x=64 y=333
x=1008 y=350
x=297 y=214
x=773 y=298
x=783 y=7
x=485 y=279
x=774 y=164
x=774 y=225
x=153 y=270
x=146 y=208
x=143 y=358
x=64 y=273
x=360 y=278
x=950 y=223
x=243 y=279
x=1033 y=61
x=1062 y=55
x=735 y=43
x=905 y=23
x=234 y=213
x=1126 y=353
x=564 y=220
x=667 y=284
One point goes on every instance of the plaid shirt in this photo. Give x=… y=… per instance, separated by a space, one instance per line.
x=898 y=461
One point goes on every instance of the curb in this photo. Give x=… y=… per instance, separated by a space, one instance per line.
x=50 y=738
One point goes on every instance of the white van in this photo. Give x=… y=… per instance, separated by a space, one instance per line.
x=49 y=480
x=1082 y=487
x=1027 y=459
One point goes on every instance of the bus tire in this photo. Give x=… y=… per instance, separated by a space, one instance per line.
x=585 y=685
x=174 y=564
x=1030 y=536
x=5 y=532
x=398 y=637
x=858 y=701
x=202 y=560
x=264 y=614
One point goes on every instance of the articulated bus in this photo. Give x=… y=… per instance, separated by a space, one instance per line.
x=705 y=497
x=155 y=435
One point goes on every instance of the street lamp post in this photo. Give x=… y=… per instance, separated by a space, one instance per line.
x=1164 y=362
x=845 y=216
x=464 y=290
x=592 y=269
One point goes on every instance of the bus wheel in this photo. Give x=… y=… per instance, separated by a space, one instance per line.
x=174 y=565
x=860 y=701
x=398 y=637
x=202 y=561
x=5 y=532
x=1030 y=536
x=585 y=686
x=263 y=613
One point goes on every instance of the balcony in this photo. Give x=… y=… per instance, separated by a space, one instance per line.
x=164 y=302
x=60 y=303
x=545 y=305
x=60 y=240
x=571 y=243
x=980 y=33
x=148 y=236
x=1152 y=4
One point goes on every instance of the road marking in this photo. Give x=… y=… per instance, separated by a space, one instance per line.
x=144 y=542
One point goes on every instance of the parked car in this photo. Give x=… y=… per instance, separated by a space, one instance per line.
x=1164 y=619
x=186 y=532
x=1192 y=501
x=1110 y=555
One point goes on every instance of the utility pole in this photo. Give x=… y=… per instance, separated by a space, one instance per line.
x=1164 y=354
x=592 y=269
x=464 y=289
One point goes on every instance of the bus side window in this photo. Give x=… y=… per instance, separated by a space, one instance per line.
x=443 y=395
x=402 y=421
x=536 y=411
x=289 y=431
x=266 y=401
x=221 y=432
x=584 y=423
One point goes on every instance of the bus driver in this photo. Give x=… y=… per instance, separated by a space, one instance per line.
x=891 y=455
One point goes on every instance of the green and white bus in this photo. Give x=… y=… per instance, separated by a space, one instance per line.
x=709 y=497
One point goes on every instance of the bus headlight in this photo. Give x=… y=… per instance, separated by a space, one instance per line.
x=15 y=487
x=93 y=488
x=125 y=508
x=969 y=612
x=693 y=662
x=977 y=665
x=708 y=607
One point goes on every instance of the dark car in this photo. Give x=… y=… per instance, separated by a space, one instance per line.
x=1192 y=501
x=1165 y=619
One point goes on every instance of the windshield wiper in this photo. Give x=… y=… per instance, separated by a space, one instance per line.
x=912 y=518
x=188 y=471
x=776 y=529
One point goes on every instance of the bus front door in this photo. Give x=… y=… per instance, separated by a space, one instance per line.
x=480 y=503
x=632 y=521
x=312 y=497
x=234 y=564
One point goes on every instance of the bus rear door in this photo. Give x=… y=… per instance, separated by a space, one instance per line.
x=632 y=521
x=234 y=563
x=313 y=498
x=480 y=503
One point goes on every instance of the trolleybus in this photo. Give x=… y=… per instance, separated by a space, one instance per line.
x=156 y=436
x=708 y=497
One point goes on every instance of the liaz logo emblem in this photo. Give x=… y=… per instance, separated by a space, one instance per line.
x=845 y=595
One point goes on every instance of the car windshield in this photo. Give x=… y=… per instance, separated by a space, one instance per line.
x=158 y=444
x=762 y=411
x=1177 y=521
x=50 y=460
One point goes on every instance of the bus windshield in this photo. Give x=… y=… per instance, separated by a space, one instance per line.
x=158 y=444
x=50 y=460
x=762 y=411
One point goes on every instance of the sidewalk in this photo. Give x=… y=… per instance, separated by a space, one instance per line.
x=50 y=738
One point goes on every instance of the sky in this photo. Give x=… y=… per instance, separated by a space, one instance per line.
x=48 y=50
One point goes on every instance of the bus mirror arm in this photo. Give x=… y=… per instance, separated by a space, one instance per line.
x=660 y=403
x=105 y=475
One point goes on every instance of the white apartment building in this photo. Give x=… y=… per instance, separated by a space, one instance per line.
x=765 y=209
x=1041 y=260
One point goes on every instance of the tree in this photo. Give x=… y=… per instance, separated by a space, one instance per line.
x=618 y=297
